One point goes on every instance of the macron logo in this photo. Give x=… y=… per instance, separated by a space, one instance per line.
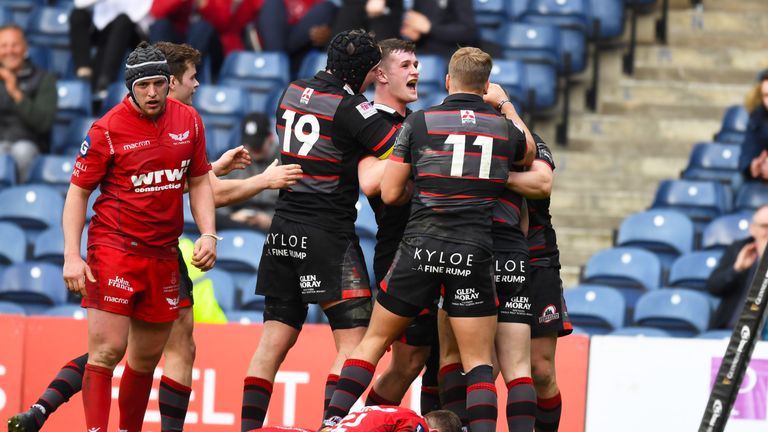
x=179 y=137
x=157 y=177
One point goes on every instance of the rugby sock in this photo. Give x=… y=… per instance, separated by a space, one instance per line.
x=453 y=391
x=521 y=405
x=133 y=399
x=256 y=395
x=376 y=399
x=354 y=378
x=97 y=396
x=430 y=399
x=174 y=401
x=330 y=387
x=548 y=413
x=68 y=381
x=481 y=399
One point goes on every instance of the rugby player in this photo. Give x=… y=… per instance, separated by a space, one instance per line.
x=447 y=243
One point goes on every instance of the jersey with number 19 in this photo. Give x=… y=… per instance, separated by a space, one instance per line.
x=460 y=154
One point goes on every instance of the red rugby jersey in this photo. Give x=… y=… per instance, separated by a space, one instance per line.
x=141 y=166
x=382 y=419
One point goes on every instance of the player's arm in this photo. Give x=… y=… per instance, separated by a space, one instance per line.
x=232 y=191
x=537 y=181
x=497 y=98
x=370 y=172
x=232 y=159
x=73 y=221
x=203 y=211
x=396 y=187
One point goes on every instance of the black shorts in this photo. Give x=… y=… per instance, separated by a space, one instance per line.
x=512 y=287
x=550 y=313
x=422 y=331
x=185 y=285
x=310 y=264
x=423 y=265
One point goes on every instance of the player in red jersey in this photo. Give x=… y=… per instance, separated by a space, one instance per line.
x=387 y=419
x=175 y=384
x=140 y=154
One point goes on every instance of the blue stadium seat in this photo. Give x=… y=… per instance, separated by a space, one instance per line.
x=313 y=62
x=595 y=309
x=7 y=170
x=693 y=269
x=35 y=286
x=432 y=70
x=69 y=311
x=724 y=230
x=38 y=55
x=510 y=74
x=572 y=16
x=53 y=170
x=489 y=12
x=239 y=253
x=428 y=101
x=49 y=27
x=538 y=46
x=6 y=16
x=365 y=225
x=49 y=246
x=641 y=331
x=223 y=288
x=631 y=270
x=11 y=308
x=368 y=246
x=516 y=8
x=667 y=233
x=115 y=94
x=69 y=142
x=13 y=248
x=610 y=13
x=715 y=161
x=245 y=317
x=33 y=207
x=74 y=100
x=751 y=196
x=222 y=110
x=249 y=300
x=679 y=311
x=715 y=334
x=734 y=125
x=701 y=200
x=257 y=72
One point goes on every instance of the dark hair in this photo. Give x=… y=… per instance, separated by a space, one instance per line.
x=443 y=421
x=178 y=56
x=388 y=46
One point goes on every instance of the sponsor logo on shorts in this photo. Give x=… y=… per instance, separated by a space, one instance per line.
x=94 y=429
x=286 y=245
x=468 y=117
x=442 y=262
x=518 y=303
x=467 y=294
x=306 y=95
x=550 y=314
x=113 y=299
x=134 y=146
x=174 y=278
x=173 y=302
x=120 y=283
x=309 y=281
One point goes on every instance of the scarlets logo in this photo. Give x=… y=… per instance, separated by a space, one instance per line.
x=179 y=137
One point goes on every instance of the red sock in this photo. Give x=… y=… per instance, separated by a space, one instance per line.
x=97 y=396
x=133 y=399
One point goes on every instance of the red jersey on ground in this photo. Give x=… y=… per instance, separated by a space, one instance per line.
x=382 y=419
x=141 y=166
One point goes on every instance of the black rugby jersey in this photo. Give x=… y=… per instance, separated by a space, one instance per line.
x=324 y=127
x=507 y=235
x=391 y=220
x=461 y=152
x=542 y=241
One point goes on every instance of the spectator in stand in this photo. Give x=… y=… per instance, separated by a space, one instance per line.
x=730 y=280
x=173 y=23
x=440 y=26
x=256 y=136
x=753 y=162
x=27 y=101
x=230 y=19
x=113 y=27
x=381 y=17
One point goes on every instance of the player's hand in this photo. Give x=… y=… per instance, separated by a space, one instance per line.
x=495 y=95
x=417 y=21
x=75 y=272
x=756 y=166
x=746 y=257
x=232 y=159
x=375 y=8
x=282 y=176
x=204 y=254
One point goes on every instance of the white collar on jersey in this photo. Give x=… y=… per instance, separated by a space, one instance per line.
x=349 y=89
x=386 y=108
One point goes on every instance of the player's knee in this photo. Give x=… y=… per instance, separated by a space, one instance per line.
x=543 y=374
x=106 y=356
x=350 y=314
x=289 y=312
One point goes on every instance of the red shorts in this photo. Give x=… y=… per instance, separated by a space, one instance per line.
x=145 y=288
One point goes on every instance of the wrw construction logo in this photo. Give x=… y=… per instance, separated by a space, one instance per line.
x=160 y=180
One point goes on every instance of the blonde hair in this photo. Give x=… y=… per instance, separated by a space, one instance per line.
x=754 y=99
x=470 y=68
